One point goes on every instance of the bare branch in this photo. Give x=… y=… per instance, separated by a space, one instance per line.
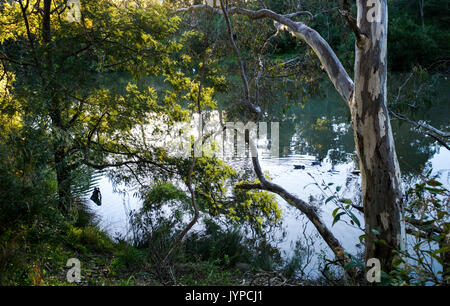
x=300 y=13
x=29 y=34
x=253 y=108
x=429 y=130
x=261 y=64
x=326 y=11
x=4 y=56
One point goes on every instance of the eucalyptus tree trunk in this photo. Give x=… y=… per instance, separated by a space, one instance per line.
x=380 y=172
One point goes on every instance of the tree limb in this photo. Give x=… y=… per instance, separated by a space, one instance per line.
x=429 y=130
x=253 y=108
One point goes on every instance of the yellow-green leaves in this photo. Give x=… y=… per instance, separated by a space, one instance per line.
x=258 y=208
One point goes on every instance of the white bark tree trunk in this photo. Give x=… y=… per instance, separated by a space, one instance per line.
x=380 y=172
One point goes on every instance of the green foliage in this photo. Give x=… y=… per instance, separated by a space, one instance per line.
x=213 y=179
x=75 y=96
x=129 y=259
x=208 y=274
x=216 y=244
x=89 y=237
x=26 y=183
x=344 y=206
x=426 y=261
x=27 y=203
x=410 y=44
x=33 y=236
x=411 y=41
x=295 y=263
x=228 y=247
x=417 y=41
x=265 y=256
x=162 y=193
x=257 y=208
x=60 y=81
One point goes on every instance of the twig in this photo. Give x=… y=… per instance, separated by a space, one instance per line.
x=253 y=108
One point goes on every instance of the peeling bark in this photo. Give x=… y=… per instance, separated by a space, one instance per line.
x=380 y=173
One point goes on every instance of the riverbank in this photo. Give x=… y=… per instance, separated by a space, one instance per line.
x=31 y=259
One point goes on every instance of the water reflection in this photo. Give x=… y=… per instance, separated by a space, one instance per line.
x=322 y=128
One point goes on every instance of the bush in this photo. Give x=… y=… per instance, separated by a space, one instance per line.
x=130 y=258
x=426 y=261
x=226 y=246
x=89 y=237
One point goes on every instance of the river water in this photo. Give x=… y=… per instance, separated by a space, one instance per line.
x=320 y=130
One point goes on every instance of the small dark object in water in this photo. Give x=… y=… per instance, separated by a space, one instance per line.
x=356 y=172
x=317 y=162
x=299 y=166
x=97 y=196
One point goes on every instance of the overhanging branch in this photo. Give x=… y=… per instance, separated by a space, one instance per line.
x=332 y=65
x=440 y=136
